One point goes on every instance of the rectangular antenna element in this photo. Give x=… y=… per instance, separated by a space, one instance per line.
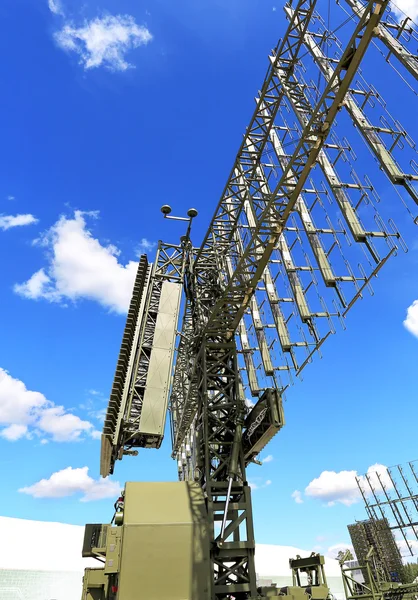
x=138 y=404
x=154 y=409
x=391 y=496
x=262 y=423
x=115 y=406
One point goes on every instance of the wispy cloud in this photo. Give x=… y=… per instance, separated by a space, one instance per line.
x=79 y=266
x=9 y=221
x=267 y=459
x=103 y=41
x=297 y=496
x=334 y=550
x=411 y=321
x=145 y=246
x=405 y=8
x=55 y=7
x=70 y=481
x=257 y=486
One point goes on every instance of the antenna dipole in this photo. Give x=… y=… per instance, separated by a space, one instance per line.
x=391 y=495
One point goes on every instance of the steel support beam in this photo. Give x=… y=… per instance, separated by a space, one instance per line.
x=221 y=471
x=220 y=305
x=369 y=133
x=393 y=44
x=228 y=310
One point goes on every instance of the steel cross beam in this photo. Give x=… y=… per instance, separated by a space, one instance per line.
x=122 y=430
x=220 y=470
x=228 y=310
x=303 y=113
x=303 y=109
x=295 y=284
x=211 y=258
x=220 y=236
x=220 y=307
x=394 y=45
x=365 y=128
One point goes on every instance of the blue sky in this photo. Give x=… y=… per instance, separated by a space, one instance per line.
x=93 y=143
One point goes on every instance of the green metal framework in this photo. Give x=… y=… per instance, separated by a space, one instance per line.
x=391 y=501
x=387 y=561
x=269 y=239
x=213 y=403
x=122 y=433
x=376 y=585
x=394 y=43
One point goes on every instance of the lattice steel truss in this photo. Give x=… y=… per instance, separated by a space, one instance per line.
x=391 y=497
x=295 y=241
x=122 y=432
x=375 y=534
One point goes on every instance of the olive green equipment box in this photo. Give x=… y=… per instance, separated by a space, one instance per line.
x=309 y=581
x=159 y=549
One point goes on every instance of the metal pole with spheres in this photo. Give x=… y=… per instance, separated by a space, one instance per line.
x=191 y=214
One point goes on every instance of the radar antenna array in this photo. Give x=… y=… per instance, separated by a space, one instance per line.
x=297 y=237
x=391 y=496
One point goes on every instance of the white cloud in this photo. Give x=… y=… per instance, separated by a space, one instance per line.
x=80 y=267
x=23 y=411
x=257 y=486
x=249 y=403
x=297 y=495
x=382 y=471
x=268 y=459
x=145 y=246
x=404 y=549
x=69 y=481
x=341 y=486
x=35 y=287
x=104 y=41
x=404 y=8
x=411 y=321
x=55 y=7
x=100 y=414
x=14 y=432
x=93 y=406
x=10 y=197
x=336 y=548
x=9 y=221
x=63 y=426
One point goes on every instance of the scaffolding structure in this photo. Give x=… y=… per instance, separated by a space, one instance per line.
x=377 y=535
x=391 y=501
x=295 y=242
